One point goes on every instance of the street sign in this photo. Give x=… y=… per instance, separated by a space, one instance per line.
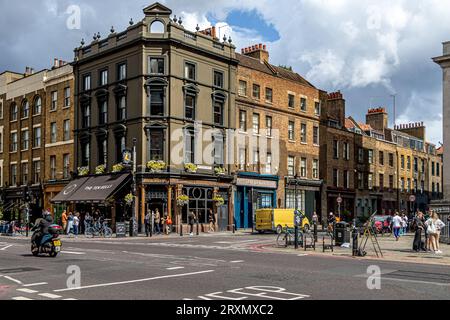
x=412 y=198
x=339 y=200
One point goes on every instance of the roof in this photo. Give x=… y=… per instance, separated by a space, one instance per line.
x=349 y=124
x=365 y=127
x=275 y=71
x=440 y=150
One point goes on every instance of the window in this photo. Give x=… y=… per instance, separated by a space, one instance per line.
x=218 y=150
x=14 y=175
x=391 y=160
x=416 y=185
x=416 y=165
x=37 y=108
x=156 y=145
x=269 y=125
x=408 y=186
x=1 y=142
x=157 y=27
x=335 y=149
x=121 y=71
x=370 y=181
x=189 y=107
x=303 y=170
x=402 y=162
x=13 y=145
x=269 y=95
x=242 y=158
x=53 y=132
x=218 y=112
x=269 y=164
x=156 y=66
x=37 y=137
x=438 y=169
x=66 y=130
x=423 y=166
x=291 y=101
x=391 y=182
x=433 y=170
x=315 y=169
x=189 y=71
x=242 y=88
x=66 y=166
x=67 y=97
x=103 y=112
x=37 y=171
x=422 y=186
x=433 y=188
x=86 y=153
x=360 y=155
x=346 y=179
x=121 y=144
x=25 y=140
x=381 y=181
x=292 y=203
x=86 y=115
x=87 y=82
x=54 y=103
x=316 y=136
x=103 y=77
x=370 y=156
x=408 y=163
x=218 y=79
x=1 y=110
x=243 y=121
x=291 y=166
x=102 y=150
x=156 y=101
x=346 y=151
x=256 y=91
x=255 y=123
x=256 y=161
x=381 y=158
x=291 y=130
x=189 y=153
x=25 y=109
x=303 y=133
x=14 y=111
x=303 y=104
x=122 y=108
x=360 y=180
x=317 y=108
x=335 y=178
x=402 y=184
x=25 y=173
x=52 y=167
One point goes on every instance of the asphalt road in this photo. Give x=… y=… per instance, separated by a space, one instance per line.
x=204 y=268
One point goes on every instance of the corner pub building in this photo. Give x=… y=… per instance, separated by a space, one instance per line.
x=149 y=83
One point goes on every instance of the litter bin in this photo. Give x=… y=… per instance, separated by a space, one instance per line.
x=342 y=233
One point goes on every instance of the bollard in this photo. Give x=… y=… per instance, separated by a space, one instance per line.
x=198 y=230
x=181 y=229
x=355 y=241
x=234 y=228
x=296 y=237
x=315 y=231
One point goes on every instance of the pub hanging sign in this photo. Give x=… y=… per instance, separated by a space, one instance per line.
x=127 y=157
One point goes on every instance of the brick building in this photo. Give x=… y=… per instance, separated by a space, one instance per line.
x=273 y=101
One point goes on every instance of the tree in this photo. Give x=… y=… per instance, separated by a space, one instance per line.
x=288 y=68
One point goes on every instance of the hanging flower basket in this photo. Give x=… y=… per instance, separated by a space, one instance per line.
x=190 y=168
x=83 y=171
x=219 y=201
x=220 y=171
x=129 y=198
x=182 y=200
x=156 y=166
x=118 y=168
x=101 y=169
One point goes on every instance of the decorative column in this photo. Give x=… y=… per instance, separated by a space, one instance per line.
x=178 y=210
x=143 y=205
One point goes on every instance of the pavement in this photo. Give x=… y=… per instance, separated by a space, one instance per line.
x=219 y=266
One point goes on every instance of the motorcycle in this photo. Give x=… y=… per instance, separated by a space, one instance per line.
x=50 y=243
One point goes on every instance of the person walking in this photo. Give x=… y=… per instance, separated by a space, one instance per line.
x=434 y=227
x=158 y=222
x=64 y=220
x=405 y=224
x=147 y=223
x=212 y=222
x=76 y=224
x=70 y=223
x=418 y=226
x=398 y=225
x=169 y=224
x=191 y=221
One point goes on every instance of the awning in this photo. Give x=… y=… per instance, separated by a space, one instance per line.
x=99 y=189
x=70 y=189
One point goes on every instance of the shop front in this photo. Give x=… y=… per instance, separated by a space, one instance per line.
x=14 y=203
x=341 y=202
x=253 y=192
x=307 y=193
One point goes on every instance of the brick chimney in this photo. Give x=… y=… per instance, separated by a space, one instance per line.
x=377 y=118
x=335 y=108
x=417 y=129
x=258 y=51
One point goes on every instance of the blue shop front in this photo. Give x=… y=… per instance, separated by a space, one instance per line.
x=253 y=191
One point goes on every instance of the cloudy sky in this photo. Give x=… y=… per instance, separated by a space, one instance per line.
x=370 y=50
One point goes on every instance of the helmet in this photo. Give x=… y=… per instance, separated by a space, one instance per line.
x=49 y=218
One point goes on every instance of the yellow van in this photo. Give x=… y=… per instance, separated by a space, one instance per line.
x=275 y=220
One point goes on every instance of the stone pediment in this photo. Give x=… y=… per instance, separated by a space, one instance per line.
x=157 y=9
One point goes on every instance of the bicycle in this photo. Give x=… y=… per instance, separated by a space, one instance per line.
x=99 y=229
x=287 y=237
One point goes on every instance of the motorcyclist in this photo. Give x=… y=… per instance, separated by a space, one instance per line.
x=42 y=226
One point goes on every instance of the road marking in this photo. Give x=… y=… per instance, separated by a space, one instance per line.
x=49 y=295
x=13 y=280
x=73 y=252
x=21 y=298
x=4 y=248
x=175 y=268
x=135 y=281
x=302 y=255
x=70 y=299
x=35 y=284
x=237 y=261
x=27 y=290
x=417 y=281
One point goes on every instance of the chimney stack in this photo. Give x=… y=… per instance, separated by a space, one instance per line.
x=258 y=51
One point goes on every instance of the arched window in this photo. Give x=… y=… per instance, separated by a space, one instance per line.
x=37 y=107
x=157 y=27
x=25 y=109
x=14 y=112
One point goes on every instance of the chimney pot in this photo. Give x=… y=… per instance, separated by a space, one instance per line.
x=264 y=47
x=260 y=46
